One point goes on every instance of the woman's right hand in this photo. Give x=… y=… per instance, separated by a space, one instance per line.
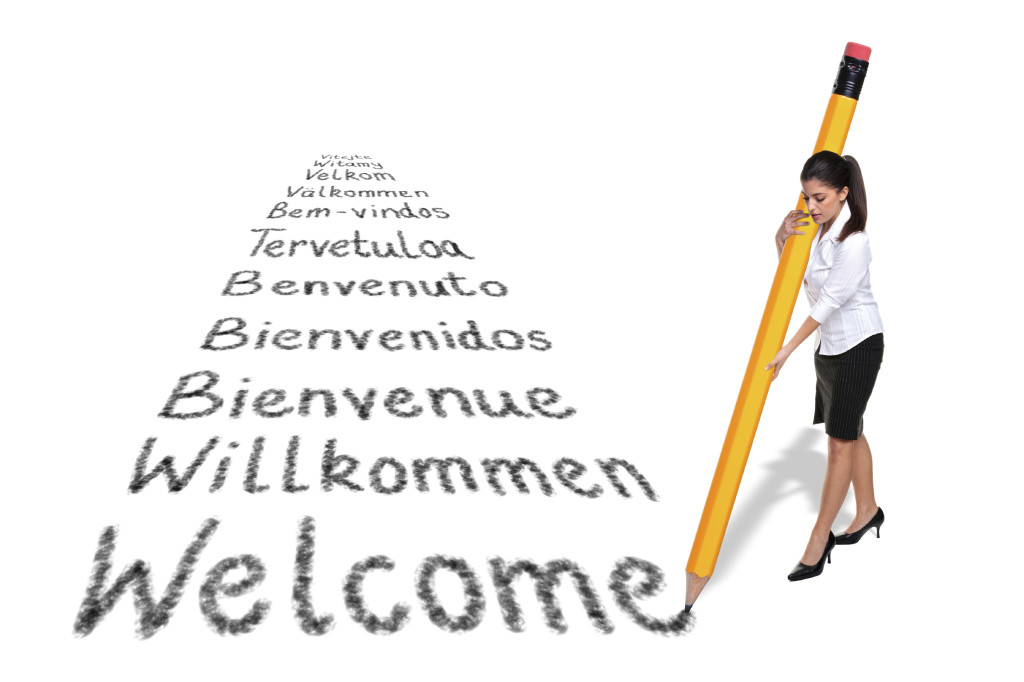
x=790 y=223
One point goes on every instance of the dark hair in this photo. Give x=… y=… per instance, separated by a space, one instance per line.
x=838 y=172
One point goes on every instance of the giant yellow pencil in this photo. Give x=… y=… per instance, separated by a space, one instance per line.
x=770 y=337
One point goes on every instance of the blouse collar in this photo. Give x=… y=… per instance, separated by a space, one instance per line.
x=837 y=227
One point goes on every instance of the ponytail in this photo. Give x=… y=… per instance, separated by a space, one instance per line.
x=856 y=199
x=838 y=172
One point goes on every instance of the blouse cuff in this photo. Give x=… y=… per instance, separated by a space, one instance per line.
x=822 y=310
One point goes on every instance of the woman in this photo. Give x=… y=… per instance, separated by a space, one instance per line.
x=849 y=353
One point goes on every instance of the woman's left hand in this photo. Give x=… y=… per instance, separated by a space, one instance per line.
x=779 y=360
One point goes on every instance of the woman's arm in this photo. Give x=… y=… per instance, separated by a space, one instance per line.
x=848 y=270
x=805 y=330
x=845 y=275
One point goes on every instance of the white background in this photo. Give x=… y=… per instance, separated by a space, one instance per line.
x=622 y=167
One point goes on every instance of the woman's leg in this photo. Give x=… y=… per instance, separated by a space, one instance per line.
x=863 y=485
x=838 y=474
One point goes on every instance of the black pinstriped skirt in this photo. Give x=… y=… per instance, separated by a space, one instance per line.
x=844 y=385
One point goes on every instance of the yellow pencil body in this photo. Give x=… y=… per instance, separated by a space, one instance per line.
x=770 y=336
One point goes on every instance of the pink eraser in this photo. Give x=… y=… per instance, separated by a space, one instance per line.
x=857 y=51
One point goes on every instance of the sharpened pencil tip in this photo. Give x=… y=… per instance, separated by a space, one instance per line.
x=687 y=609
x=694 y=585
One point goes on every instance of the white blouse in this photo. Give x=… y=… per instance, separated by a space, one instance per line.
x=838 y=286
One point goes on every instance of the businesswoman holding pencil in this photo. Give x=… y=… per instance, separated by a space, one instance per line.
x=849 y=353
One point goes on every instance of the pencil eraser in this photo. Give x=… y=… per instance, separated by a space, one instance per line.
x=857 y=51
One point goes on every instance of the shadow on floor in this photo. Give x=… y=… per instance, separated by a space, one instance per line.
x=800 y=471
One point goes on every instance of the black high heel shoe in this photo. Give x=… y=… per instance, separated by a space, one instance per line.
x=802 y=571
x=854 y=538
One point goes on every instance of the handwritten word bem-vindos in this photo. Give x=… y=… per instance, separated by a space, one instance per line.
x=281 y=210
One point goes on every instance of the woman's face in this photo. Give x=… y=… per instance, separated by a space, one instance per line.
x=823 y=202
